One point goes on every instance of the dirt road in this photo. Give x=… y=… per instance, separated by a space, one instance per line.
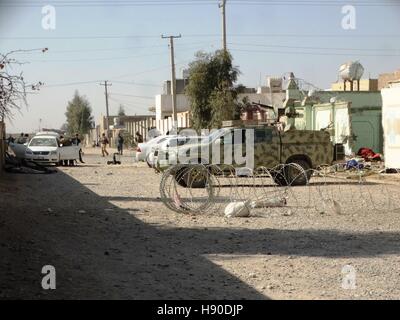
x=109 y=236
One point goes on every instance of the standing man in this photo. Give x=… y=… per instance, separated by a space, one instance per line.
x=104 y=142
x=120 y=143
x=21 y=139
x=76 y=141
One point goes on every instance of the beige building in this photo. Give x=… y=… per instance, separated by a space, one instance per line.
x=271 y=94
x=386 y=78
x=362 y=85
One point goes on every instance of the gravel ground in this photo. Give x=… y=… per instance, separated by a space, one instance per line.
x=109 y=236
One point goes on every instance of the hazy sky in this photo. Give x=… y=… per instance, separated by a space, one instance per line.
x=121 y=42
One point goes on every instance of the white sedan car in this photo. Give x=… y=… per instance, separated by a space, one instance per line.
x=170 y=143
x=143 y=150
x=46 y=149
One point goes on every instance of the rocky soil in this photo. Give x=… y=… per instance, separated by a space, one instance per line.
x=109 y=236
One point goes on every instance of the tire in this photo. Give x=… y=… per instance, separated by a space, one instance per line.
x=294 y=176
x=279 y=177
x=191 y=177
x=148 y=163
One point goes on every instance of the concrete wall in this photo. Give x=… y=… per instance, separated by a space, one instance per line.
x=365 y=85
x=165 y=125
x=391 y=125
x=366 y=116
x=143 y=127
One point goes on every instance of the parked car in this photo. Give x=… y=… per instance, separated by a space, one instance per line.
x=145 y=148
x=168 y=143
x=45 y=148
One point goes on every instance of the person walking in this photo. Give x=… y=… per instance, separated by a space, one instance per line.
x=120 y=144
x=104 y=143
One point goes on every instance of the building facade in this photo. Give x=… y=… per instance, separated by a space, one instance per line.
x=391 y=125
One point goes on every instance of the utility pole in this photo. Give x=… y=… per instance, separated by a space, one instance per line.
x=173 y=80
x=106 y=84
x=223 y=9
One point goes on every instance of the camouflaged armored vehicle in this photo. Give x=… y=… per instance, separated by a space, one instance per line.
x=270 y=147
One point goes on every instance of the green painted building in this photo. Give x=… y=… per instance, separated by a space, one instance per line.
x=354 y=118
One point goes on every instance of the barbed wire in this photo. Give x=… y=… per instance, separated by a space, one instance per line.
x=284 y=190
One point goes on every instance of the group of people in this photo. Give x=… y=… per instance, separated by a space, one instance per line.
x=22 y=139
x=75 y=141
x=103 y=140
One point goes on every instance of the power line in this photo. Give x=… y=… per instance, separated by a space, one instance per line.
x=69 y=84
x=316 y=53
x=130 y=95
x=51 y=51
x=248 y=35
x=311 y=48
x=128 y=3
x=133 y=83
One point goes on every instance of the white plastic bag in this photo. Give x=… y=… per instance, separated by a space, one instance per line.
x=237 y=209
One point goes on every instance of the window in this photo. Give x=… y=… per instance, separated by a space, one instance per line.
x=43 y=142
x=262 y=135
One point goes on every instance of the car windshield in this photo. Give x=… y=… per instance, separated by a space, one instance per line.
x=43 y=142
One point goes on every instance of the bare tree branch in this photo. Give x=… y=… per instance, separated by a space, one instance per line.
x=13 y=88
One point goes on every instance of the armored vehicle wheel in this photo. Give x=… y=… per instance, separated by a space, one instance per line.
x=192 y=177
x=279 y=177
x=296 y=176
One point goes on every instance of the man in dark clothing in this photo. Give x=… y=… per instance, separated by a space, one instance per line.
x=120 y=144
x=76 y=141
x=21 y=139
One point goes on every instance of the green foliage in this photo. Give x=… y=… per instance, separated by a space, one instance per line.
x=211 y=89
x=79 y=115
x=121 y=111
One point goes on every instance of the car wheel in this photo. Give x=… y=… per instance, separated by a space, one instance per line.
x=149 y=162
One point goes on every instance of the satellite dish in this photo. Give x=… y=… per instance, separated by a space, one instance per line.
x=332 y=100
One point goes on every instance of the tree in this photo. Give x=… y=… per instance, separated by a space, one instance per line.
x=64 y=127
x=121 y=111
x=13 y=88
x=79 y=115
x=211 y=89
